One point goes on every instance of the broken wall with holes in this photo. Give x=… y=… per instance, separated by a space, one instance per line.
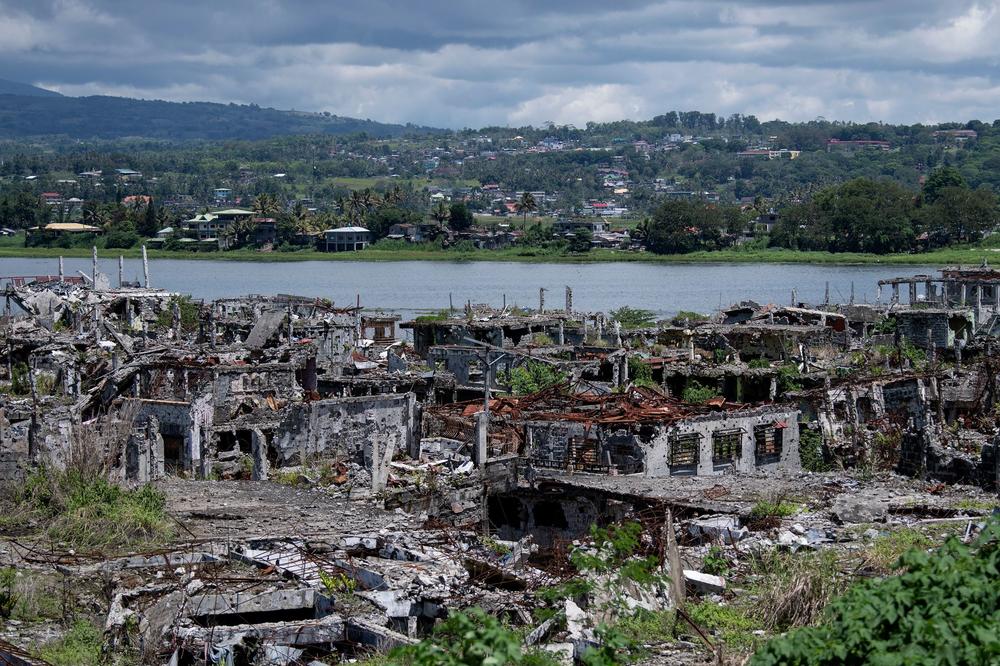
x=347 y=428
x=762 y=439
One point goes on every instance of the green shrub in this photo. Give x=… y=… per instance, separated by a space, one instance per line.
x=81 y=646
x=811 y=449
x=531 y=377
x=715 y=562
x=120 y=239
x=944 y=608
x=472 y=638
x=685 y=318
x=8 y=597
x=630 y=317
x=640 y=372
x=697 y=393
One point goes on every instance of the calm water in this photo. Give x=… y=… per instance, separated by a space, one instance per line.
x=407 y=287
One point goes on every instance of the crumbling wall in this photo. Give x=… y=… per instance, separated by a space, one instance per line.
x=742 y=426
x=350 y=428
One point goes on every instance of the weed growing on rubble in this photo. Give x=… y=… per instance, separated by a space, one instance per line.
x=189 y=314
x=8 y=596
x=773 y=509
x=337 y=583
x=84 y=510
x=886 y=550
x=472 y=638
x=792 y=589
x=715 y=562
x=80 y=646
x=640 y=372
x=732 y=624
x=942 y=608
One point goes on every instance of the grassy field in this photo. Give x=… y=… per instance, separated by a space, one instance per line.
x=14 y=247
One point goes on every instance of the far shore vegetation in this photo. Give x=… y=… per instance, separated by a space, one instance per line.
x=989 y=250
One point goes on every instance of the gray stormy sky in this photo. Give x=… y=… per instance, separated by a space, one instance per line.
x=470 y=63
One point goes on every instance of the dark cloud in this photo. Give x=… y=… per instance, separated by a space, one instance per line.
x=471 y=63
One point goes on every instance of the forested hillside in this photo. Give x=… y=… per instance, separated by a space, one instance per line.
x=101 y=117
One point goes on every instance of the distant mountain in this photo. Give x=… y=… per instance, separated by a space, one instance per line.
x=45 y=113
x=16 y=88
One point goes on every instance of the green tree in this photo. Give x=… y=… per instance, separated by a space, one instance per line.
x=440 y=212
x=459 y=217
x=150 y=222
x=940 y=179
x=526 y=204
x=580 y=241
x=679 y=227
x=961 y=213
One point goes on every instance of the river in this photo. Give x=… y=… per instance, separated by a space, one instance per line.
x=408 y=287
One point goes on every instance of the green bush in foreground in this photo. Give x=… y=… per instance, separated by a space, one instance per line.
x=473 y=638
x=943 y=609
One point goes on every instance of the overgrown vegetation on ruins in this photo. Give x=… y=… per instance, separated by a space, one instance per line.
x=942 y=608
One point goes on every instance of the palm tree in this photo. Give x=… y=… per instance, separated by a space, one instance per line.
x=440 y=212
x=242 y=230
x=95 y=216
x=393 y=196
x=266 y=205
x=355 y=207
x=526 y=205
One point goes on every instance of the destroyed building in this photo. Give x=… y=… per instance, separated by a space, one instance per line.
x=344 y=488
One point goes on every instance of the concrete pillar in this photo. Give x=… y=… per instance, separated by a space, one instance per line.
x=258 y=448
x=895 y=292
x=145 y=268
x=913 y=293
x=562 y=333
x=928 y=291
x=479 y=446
x=962 y=295
x=878 y=294
x=93 y=267
x=61 y=273
x=121 y=271
x=541 y=300
x=177 y=320
x=852 y=292
x=569 y=300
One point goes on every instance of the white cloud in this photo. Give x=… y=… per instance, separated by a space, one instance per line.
x=462 y=63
